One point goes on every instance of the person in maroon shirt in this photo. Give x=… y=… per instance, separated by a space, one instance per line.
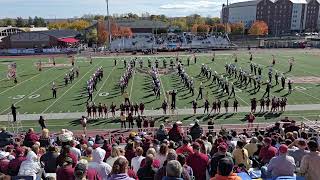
x=198 y=162
x=30 y=138
x=81 y=171
x=66 y=171
x=175 y=133
x=4 y=162
x=107 y=147
x=130 y=152
x=185 y=149
x=267 y=152
x=14 y=165
x=65 y=154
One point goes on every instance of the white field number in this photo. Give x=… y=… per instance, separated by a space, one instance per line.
x=34 y=96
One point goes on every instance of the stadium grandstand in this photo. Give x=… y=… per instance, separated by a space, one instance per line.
x=170 y=42
x=265 y=151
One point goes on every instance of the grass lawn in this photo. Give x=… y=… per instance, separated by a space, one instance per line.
x=32 y=94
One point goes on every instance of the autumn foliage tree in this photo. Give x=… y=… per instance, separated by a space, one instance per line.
x=102 y=32
x=76 y=25
x=200 y=28
x=258 y=28
x=237 y=28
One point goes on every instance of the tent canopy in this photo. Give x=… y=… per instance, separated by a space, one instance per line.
x=68 y=40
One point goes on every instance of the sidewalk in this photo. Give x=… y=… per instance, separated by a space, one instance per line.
x=77 y=115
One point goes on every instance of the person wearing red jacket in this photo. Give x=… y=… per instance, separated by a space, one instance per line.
x=198 y=162
x=30 y=138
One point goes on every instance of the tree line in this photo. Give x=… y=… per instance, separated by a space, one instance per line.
x=20 y=22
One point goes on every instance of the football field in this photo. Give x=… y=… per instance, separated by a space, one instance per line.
x=32 y=94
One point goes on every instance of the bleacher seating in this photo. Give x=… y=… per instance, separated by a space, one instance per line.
x=169 y=41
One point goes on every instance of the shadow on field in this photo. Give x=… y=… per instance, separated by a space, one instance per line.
x=44 y=100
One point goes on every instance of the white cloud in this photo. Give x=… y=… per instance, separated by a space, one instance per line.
x=190 y=5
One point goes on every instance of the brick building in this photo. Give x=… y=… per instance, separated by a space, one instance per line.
x=282 y=16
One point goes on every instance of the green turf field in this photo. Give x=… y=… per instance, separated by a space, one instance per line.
x=32 y=94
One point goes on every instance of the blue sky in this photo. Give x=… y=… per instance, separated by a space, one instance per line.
x=71 y=8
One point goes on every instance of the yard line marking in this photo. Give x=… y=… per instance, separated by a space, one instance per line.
x=134 y=73
x=103 y=84
x=164 y=92
x=70 y=88
x=33 y=92
x=24 y=81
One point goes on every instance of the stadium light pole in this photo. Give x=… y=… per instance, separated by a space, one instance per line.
x=109 y=24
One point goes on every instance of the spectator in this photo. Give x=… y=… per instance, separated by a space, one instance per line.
x=173 y=170
x=267 y=152
x=175 y=133
x=222 y=153
x=155 y=163
x=210 y=125
x=207 y=144
x=30 y=138
x=75 y=151
x=66 y=171
x=162 y=133
x=119 y=170
x=31 y=166
x=129 y=152
x=297 y=150
x=5 y=137
x=136 y=161
x=241 y=156
x=49 y=160
x=4 y=162
x=65 y=136
x=275 y=129
x=198 y=162
x=196 y=131
x=172 y=155
x=66 y=153
x=162 y=154
x=103 y=169
x=81 y=172
x=292 y=127
x=225 y=170
x=107 y=147
x=310 y=162
x=115 y=154
x=14 y=165
x=185 y=149
x=245 y=133
x=252 y=147
x=282 y=165
x=44 y=138
x=147 y=172
x=182 y=160
x=88 y=154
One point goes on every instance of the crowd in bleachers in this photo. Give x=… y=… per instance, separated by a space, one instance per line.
x=169 y=153
x=162 y=41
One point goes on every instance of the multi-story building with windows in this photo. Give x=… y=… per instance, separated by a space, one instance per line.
x=282 y=16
